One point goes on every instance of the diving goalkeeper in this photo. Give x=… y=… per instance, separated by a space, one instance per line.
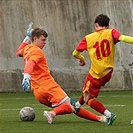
x=37 y=77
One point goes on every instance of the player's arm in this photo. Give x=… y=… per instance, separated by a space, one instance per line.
x=26 y=41
x=77 y=52
x=23 y=44
x=81 y=58
x=27 y=72
x=119 y=37
x=78 y=55
x=126 y=39
x=34 y=57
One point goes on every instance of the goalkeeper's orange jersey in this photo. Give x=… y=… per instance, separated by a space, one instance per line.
x=40 y=74
x=101 y=48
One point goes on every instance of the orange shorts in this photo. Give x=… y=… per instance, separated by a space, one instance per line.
x=93 y=86
x=50 y=94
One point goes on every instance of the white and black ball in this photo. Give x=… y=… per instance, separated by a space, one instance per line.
x=27 y=114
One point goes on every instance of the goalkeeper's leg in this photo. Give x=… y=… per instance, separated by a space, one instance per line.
x=68 y=109
x=83 y=113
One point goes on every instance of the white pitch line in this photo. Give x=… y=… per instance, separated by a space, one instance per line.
x=2 y=99
x=7 y=99
x=115 y=105
x=119 y=105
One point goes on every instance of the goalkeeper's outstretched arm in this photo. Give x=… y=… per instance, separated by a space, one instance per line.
x=19 y=50
x=26 y=41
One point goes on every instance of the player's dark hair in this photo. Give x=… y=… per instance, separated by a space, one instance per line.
x=38 y=32
x=102 y=20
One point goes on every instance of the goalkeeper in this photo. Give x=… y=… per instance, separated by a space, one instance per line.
x=100 y=46
x=45 y=89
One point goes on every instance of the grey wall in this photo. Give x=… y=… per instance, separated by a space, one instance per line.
x=67 y=22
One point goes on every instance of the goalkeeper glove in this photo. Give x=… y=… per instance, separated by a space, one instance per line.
x=26 y=82
x=29 y=30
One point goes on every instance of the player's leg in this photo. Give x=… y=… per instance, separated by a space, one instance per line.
x=91 y=91
x=58 y=98
x=83 y=113
x=99 y=107
x=60 y=110
x=93 y=103
x=65 y=107
x=80 y=102
x=42 y=99
x=52 y=99
x=92 y=86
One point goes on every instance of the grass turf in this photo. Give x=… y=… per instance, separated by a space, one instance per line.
x=119 y=102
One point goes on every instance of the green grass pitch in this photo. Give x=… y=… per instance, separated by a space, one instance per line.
x=119 y=102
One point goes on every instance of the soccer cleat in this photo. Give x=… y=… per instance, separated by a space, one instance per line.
x=50 y=116
x=73 y=103
x=111 y=119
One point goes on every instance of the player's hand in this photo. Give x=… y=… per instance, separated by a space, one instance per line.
x=29 y=30
x=26 y=82
x=82 y=63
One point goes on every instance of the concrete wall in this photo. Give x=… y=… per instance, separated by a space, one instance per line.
x=67 y=22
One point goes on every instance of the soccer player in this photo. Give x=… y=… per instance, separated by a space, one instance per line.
x=100 y=46
x=37 y=75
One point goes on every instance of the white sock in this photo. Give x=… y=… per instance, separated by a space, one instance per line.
x=77 y=104
x=107 y=113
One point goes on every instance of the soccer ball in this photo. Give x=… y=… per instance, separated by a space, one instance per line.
x=27 y=114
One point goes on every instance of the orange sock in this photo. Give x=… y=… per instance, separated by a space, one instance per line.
x=62 y=109
x=83 y=113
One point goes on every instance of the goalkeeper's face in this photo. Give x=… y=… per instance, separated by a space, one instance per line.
x=40 y=42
